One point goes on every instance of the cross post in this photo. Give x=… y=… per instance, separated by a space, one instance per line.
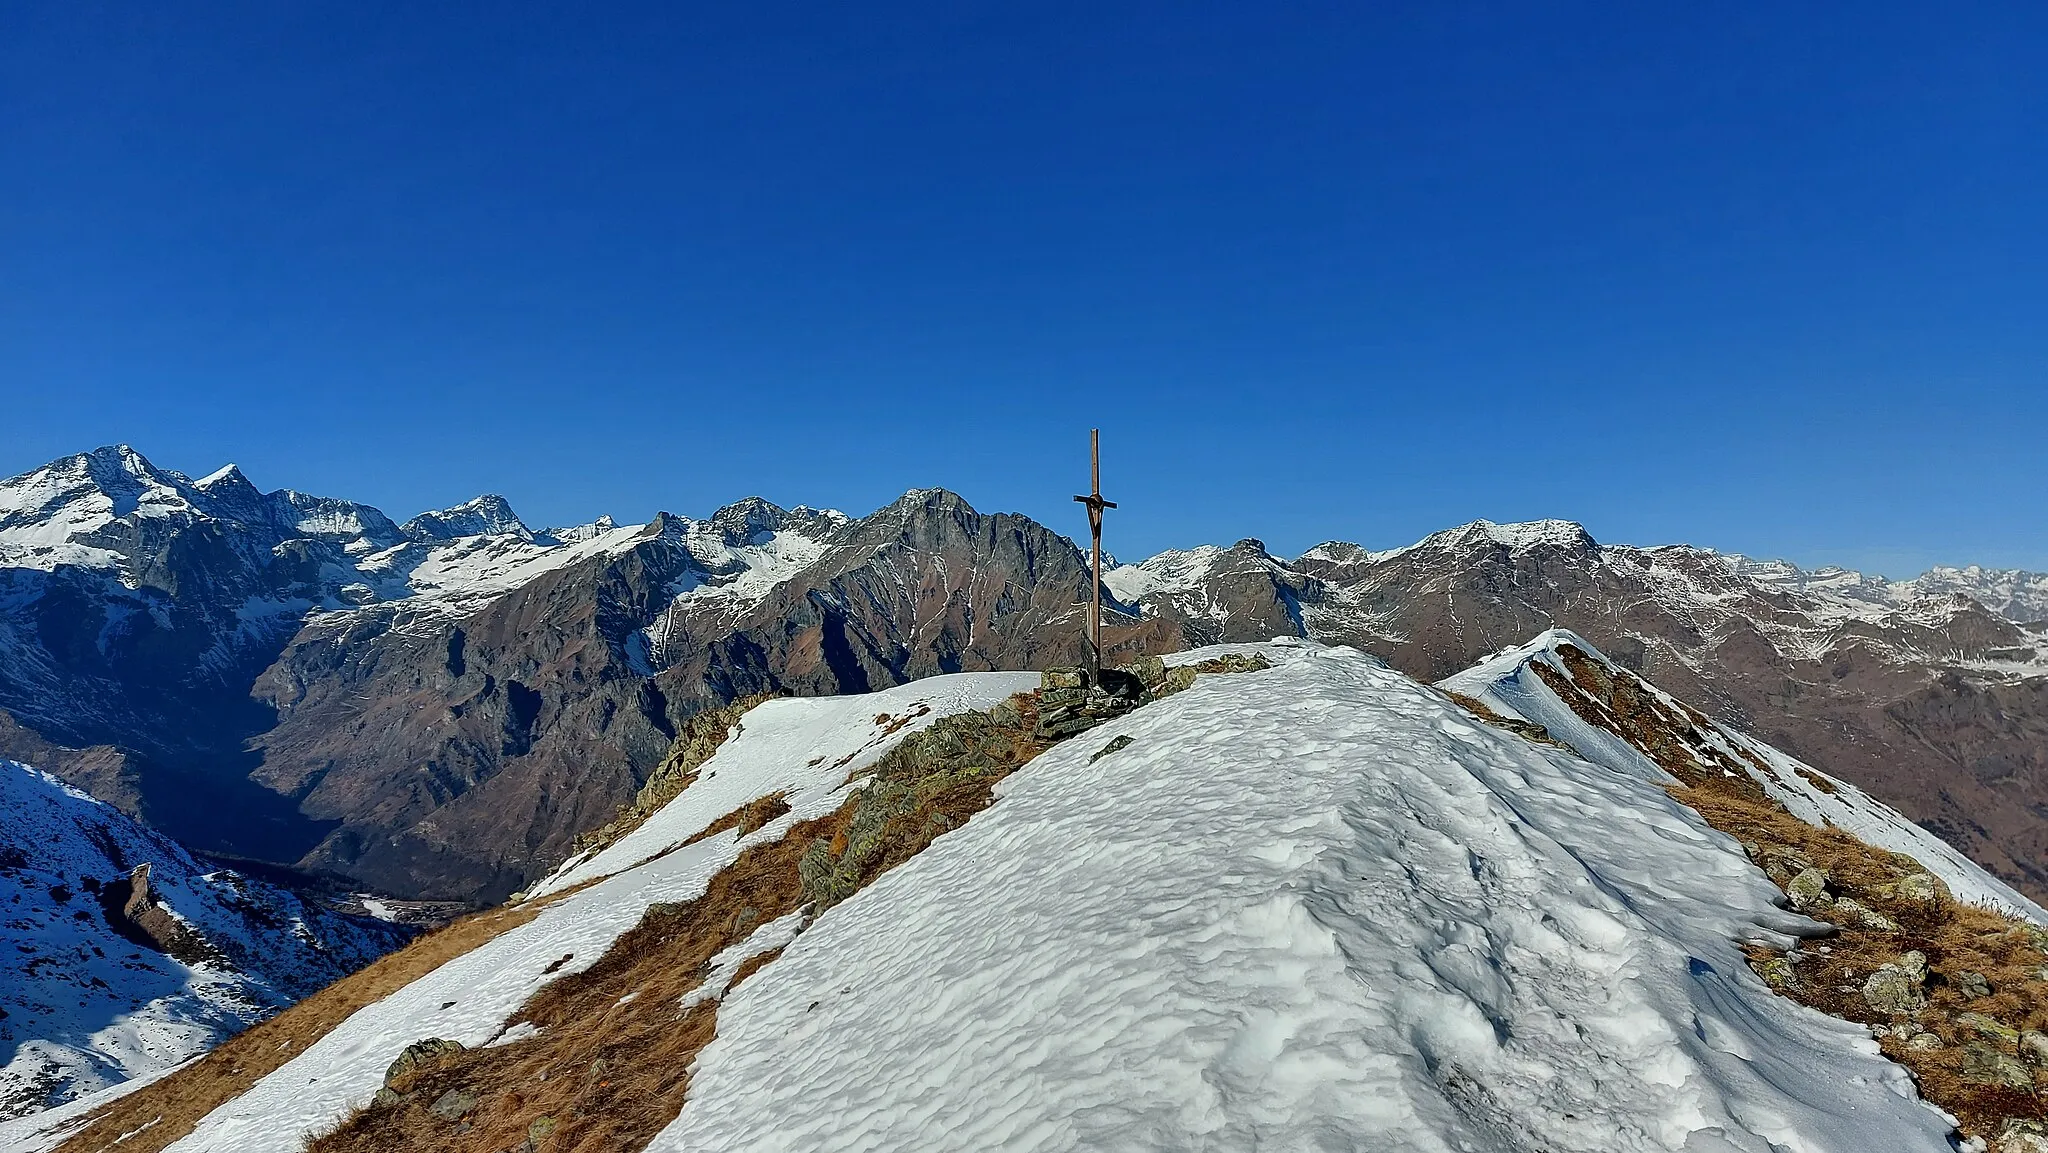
x=1095 y=505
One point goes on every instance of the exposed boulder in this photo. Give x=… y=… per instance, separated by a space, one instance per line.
x=1895 y=988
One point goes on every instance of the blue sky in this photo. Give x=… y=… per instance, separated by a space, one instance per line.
x=1772 y=278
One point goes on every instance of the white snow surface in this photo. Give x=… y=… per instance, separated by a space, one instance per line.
x=1315 y=907
x=1505 y=683
x=470 y=999
x=85 y=1008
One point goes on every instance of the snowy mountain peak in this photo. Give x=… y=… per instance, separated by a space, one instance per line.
x=748 y=521
x=1521 y=536
x=578 y=533
x=486 y=515
x=941 y=500
x=227 y=474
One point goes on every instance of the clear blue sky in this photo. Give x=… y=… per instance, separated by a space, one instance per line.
x=1770 y=277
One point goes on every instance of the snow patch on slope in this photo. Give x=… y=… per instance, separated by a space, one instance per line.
x=1506 y=684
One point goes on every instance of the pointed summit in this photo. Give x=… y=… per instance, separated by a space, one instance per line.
x=487 y=515
x=743 y=521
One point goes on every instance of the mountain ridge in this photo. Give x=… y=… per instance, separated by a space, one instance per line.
x=440 y=715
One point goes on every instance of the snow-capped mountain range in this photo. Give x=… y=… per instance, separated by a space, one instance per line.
x=437 y=708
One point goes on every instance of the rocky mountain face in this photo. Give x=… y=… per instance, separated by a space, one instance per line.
x=438 y=708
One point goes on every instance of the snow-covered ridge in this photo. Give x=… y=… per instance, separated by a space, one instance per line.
x=1317 y=906
x=81 y=1006
x=1313 y=907
x=1506 y=683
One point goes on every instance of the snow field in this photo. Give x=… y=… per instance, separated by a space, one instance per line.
x=1316 y=907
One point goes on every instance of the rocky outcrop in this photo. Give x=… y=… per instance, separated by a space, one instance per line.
x=133 y=912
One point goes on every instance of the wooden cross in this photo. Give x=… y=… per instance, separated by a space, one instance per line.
x=1095 y=505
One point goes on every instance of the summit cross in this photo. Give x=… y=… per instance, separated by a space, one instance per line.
x=1095 y=505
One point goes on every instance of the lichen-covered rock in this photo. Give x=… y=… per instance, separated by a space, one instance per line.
x=1781 y=863
x=1915 y=888
x=1895 y=989
x=1971 y=984
x=1984 y=1065
x=1923 y=1042
x=417 y=1054
x=1808 y=889
x=1778 y=972
x=1849 y=911
x=1990 y=1029
x=453 y=1105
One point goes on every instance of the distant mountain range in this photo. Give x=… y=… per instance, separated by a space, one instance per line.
x=437 y=708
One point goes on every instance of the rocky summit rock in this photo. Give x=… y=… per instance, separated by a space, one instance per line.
x=1895 y=988
x=1989 y=1028
x=417 y=1054
x=1849 y=911
x=1984 y=1065
x=1052 y=680
x=1151 y=671
x=1116 y=744
x=1971 y=984
x=2022 y=1136
x=1808 y=890
x=453 y=1105
x=2034 y=1045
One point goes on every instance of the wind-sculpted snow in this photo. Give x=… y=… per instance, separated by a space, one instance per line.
x=1317 y=907
x=804 y=749
x=1506 y=683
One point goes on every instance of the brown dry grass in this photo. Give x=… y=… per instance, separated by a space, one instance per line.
x=171 y=1107
x=1829 y=975
x=607 y=1074
x=746 y=818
